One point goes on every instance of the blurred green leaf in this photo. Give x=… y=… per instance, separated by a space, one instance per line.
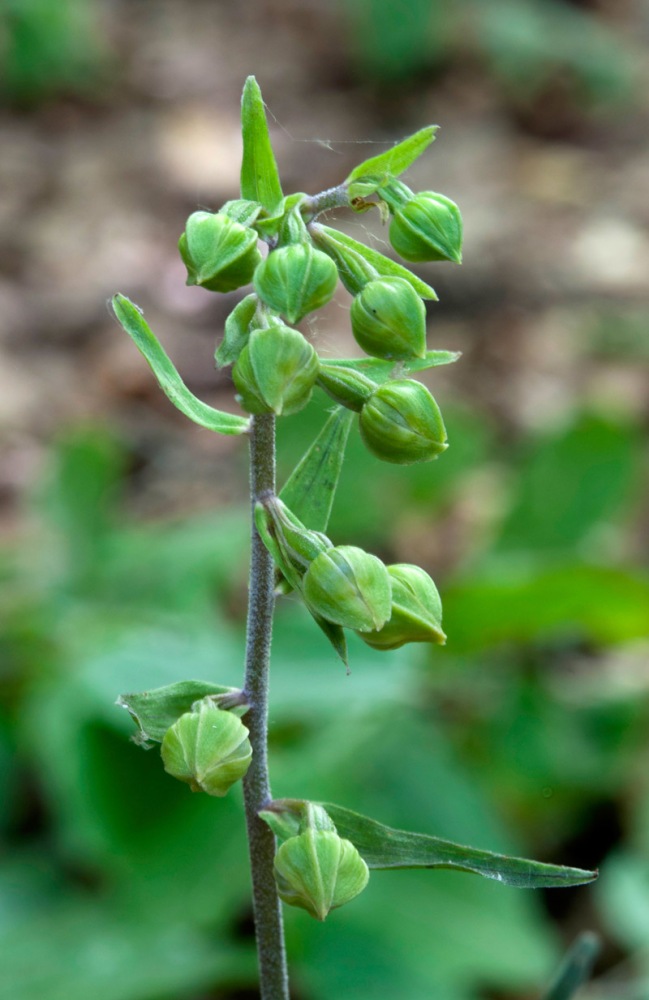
x=571 y=483
x=575 y=968
x=259 y=177
x=523 y=603
x=132 y=320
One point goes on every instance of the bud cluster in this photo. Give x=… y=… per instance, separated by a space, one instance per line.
x=387 y=606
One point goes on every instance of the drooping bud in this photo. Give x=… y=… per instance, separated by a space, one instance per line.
x=349 y=587
x=318 y=870
x=295 y=280
x=276 y=371
x=402 y=423
x=389 y=320
x=347 y=386
x=219 y=253
x=427 y=227
x=416 y=610
x=208 y=749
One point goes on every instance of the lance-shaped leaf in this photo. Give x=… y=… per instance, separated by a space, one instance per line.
x=575 y=969
x=383 y=847
x=259 y=176
x=380 y=371
x=311 y=487
x=132 y=320
x=155 y=711
x=358 y=263
x=389 y=164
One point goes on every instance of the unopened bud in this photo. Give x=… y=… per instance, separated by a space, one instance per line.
x=416 y=610
x=402 y=423
x=295 y=280
x=208 y=749
x=219 y=253
x=389 y=320
x=427 y=227
x=276 y=371
x=349 y=587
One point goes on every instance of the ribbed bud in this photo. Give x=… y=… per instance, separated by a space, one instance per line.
x=295 y=280
x=319 y=871
x=402 y=423
x=416 y=610
x=276 y=371
x=347 y=386
x=219 y=253
x=208 y=749
x=349 y=587
x=428 y=227
x=389 y=320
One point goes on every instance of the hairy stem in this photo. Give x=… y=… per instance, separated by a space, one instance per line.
x=256 y=785
x=336 y=197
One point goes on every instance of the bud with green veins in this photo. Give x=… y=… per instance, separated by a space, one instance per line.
x=295 y=280
x=349 y=587
x=427 y=227
x=389 y=320
x=347 y=386
x=402 y=423
x=276 y=371
x=416 y=610
x=208 y=749
x=318 y=870
x=219 y=253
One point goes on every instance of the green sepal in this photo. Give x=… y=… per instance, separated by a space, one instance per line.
x=575 y=969
x=269 y=226
x=383 y=847
x=349 y=587
x=353 y=259
x=131 y=318
x=155 y=711
x=310 y=489
x=295 y=280
x=368 y=176
x=276 y=371
x=238 y=327
x=259 y=175
x=241 y=210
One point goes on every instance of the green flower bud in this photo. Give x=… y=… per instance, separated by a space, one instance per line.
x=276 y=371
x=401 y=423
x=294 y=280
x=428 y=227
x=208 y=748
x=348 y=587
x=389 y=320
x=347 y=386
x=318 y=871
x=416 y=611
x=219 y=253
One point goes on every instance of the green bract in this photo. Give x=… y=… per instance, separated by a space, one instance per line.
x=389 y=320
x=416 y=610
x=276 y=371
x=219 y=253
x=349 y=587
x=319 y=871
x=209 y=749
x=294 y=280
x=402 y=423
x=427 y=227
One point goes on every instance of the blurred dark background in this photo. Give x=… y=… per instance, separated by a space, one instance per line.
x=123 y=528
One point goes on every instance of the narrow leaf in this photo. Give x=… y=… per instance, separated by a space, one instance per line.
x=336 y=243
x=259 y=176
x=394 y=161
x=575 y=969
x=311 y=487
x=380 y=371
x=383 y=847
x=131 y=318
x=336 y=636
x=155 y=711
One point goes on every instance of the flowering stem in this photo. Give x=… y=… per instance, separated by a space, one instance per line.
x=335 y=197
x=256 y=785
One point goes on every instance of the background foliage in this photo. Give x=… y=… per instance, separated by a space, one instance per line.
x=123 y=528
